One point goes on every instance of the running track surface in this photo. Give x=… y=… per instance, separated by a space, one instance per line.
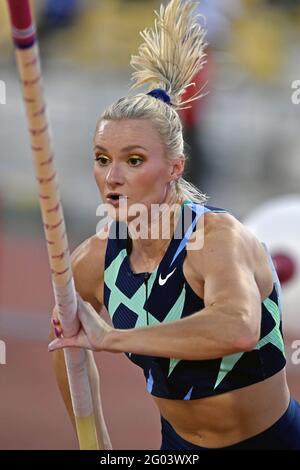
x=32 y=414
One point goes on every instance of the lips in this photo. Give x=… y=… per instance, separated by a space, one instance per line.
x=115 y=199
x=115 y=196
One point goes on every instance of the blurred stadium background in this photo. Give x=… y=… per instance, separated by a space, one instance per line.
x=245 y=134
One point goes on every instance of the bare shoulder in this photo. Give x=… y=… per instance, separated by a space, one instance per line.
x=226 y=239
x=225 y=228
x=88 y=266
x=219 y=227
x=89 y=255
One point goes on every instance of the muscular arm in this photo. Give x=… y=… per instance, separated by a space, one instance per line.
x=230 y=321
x=85 y=272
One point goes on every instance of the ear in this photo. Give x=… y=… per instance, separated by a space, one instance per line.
x=177 y=168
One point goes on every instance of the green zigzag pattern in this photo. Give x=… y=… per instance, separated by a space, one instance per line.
x=274 y=337
x=136 y=302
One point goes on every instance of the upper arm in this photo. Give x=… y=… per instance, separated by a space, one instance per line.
x=87 y=262
x=227 y=268
x=87 y=267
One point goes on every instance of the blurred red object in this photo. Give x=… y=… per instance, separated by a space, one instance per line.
x=192 y=115
x=284 y=266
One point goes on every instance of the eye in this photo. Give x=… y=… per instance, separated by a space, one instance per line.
x=135 y=161
x=102 y=160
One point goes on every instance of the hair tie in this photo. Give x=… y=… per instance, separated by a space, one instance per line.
x=160 y=94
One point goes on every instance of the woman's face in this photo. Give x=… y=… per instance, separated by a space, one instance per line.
x=130 y=161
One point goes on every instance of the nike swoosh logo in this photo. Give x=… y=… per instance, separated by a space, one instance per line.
x=163 y=281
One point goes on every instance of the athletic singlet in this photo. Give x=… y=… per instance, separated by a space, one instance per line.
x=137 y=300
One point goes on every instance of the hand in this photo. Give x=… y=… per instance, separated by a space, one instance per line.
x=91 y=334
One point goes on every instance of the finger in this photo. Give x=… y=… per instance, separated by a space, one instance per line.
x=55 y=322
x=61 y=343
x=58 y=332
x=55 y=315
x=81 y=302
x=85 y=309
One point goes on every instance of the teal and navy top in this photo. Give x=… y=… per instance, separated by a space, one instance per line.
x=137 y=300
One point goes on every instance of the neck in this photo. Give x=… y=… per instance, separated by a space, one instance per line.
x=150 y=244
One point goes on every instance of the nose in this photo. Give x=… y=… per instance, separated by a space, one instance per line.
x=114 y=176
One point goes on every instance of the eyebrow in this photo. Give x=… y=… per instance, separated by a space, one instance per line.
x=124 y=149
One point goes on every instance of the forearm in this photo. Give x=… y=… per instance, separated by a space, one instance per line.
x=208 y=334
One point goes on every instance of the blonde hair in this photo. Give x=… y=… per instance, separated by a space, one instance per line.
x=168 y=59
